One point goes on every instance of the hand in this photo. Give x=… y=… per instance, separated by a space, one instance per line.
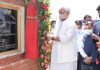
x=99 y=50
x=95 y=37
x=57 y=38
x=49 y=37
x=50 y=42
x=98 y=44
x=87 y=60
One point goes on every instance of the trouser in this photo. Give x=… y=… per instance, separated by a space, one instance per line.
x=79 y=62
x=86 y=67
x=64 y=66
x=96 y=66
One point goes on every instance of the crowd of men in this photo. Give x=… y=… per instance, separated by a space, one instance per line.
x=69 y=37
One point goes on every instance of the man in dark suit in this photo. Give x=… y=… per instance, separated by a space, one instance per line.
x=96 y=54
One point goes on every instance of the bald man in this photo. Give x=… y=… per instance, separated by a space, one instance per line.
x=64 y=50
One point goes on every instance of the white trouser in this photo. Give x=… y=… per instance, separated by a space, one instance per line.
x=64 y=66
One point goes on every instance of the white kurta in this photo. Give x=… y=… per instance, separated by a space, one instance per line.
x=64 y=53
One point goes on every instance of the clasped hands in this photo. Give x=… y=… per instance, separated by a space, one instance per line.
x=51 y=37
x=88 y=60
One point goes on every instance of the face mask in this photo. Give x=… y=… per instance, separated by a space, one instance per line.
x=88 y=31
x=62 y=17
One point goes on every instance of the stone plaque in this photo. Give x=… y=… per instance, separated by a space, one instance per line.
x=8 y=29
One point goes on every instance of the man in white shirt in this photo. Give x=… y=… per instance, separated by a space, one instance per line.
x=64 y=50
x=85 y=45
x=79 y=26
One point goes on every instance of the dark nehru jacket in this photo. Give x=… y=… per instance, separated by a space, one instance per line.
x=88 y=47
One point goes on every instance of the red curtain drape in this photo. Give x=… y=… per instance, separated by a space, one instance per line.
x=31 y=31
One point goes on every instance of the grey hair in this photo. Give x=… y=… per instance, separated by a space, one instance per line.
x=67 y=10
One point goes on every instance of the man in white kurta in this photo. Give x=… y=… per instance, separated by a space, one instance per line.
x=64 y=49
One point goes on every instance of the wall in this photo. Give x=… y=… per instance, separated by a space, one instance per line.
x=17 y=61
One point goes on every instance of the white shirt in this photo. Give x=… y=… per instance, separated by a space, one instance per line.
x=80 y=43
x=66 y=49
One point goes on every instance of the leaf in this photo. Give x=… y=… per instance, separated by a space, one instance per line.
x=40 y=0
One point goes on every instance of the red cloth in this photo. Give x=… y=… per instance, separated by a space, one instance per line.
x=33 y=0
x=31 y=9
x=31 y=32
x=97 y=61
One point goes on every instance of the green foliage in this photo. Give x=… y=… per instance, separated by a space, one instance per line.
x=43 y=17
